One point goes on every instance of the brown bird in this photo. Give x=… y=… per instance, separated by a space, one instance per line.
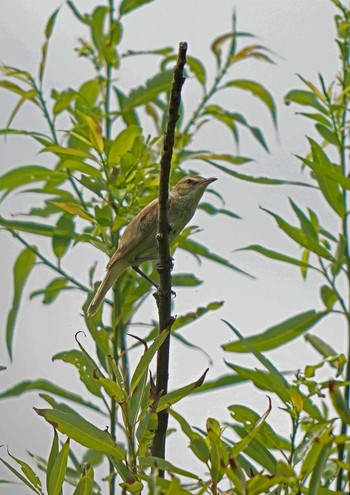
x=138 y=243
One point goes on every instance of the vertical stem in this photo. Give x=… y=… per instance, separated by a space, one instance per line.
x=163 y=295
x=108 y=77
x=345 y=73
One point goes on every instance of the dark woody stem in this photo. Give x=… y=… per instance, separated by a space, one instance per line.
x=163 y=294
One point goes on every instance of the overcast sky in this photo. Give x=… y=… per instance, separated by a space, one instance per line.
x=300 y=32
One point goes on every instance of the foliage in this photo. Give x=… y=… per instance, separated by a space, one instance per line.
x=105 y=170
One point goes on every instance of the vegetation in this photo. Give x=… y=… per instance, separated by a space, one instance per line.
x=106 y=169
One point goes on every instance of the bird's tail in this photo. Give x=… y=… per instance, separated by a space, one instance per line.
x=113 y=273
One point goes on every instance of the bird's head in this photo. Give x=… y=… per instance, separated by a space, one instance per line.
x=192 y=186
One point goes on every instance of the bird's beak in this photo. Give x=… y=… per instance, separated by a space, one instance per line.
x=210 y=180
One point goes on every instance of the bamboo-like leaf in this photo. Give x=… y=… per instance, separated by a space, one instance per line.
x=145 y=94
x=28 y=472
x=143 y=364
x=65 y=230
x=127 y=6
x=257 y=180
x=318 y=470
x=129 y=116
x=48 y=32
x=86 y=483
x=52 y=457
x=252 y=433
x=157 y=462
x=171 y=398
x=52 y=291
x=267 y=436
x=21 y=271
x=82 y=431
x=79 y=166
x=198 y=249
x=30 y=227
x=257 y=90
x=58 y=471
x=300 y=237
x=279 y=334
x=185 y=280
x=277 y=377
x=339 y=403
x=274 y=255
x=20 y=477
x=305 y=98
x=46 y=386
x=28 y=174
x=123 y=143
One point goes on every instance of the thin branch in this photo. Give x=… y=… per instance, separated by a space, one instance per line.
x=163 y=295
x=51 y=265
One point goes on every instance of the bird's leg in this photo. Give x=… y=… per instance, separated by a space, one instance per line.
x=140 y=272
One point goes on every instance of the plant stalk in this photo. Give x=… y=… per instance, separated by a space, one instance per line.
x=163 y=294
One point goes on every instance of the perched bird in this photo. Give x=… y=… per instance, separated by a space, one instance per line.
x=138 y=243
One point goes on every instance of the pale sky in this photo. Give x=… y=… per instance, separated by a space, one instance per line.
x=300 y=32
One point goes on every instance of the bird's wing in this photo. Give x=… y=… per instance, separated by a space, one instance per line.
x=138 y=231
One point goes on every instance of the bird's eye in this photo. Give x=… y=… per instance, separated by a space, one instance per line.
x=190 y=181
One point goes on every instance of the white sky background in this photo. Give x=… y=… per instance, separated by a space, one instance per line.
x=301 y=32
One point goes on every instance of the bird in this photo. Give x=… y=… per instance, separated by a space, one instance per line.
x=138 y=242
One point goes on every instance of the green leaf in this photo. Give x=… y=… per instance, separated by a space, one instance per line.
x=127 y=6
x=267 y=435
x=28 y=472
x=252 y=433
x=329 y=297
x=319 y=468
x=222 y=381
x=130 y=116
x=86 y=483
x=21 y=271
x=145 y=94
x=281 y=386
x=48 y=32
x=65 y=229
x=85 y=367
x=305 y=98
x=157 y=462
x=82 y=431
x=185 y=280
x=171 y=398
x=28 y=174
x=256 y=180
x=20 y=477
x=31 y=227
x=320 y=346
x=123 y=143
x=197 y=249
x=328 y=135
x=143 y=364
x=211 y=210
x=276 y=255
x=52 y=457
x=79 y=166
x=279 y=334
x=44 y=385
x=300 y=237
x=339 y=402
x=52 y=291
x=58 y=471
x=257 y=90
x=72 y=152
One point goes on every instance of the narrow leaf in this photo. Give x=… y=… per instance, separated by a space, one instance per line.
x=82 y=431
x=21 y=271
x=58 y=471
x=279 y=334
